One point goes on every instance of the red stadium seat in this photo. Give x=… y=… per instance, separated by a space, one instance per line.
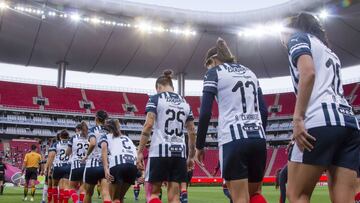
x=139 y=100
x=287 y=102
x=18 y=94
x=111 y=102
x=62 y=99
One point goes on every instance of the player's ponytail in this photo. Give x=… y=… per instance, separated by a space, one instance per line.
x=165 y=79
x=308 y=23
x=84 y=129
x=113 y=126
x=221 y=51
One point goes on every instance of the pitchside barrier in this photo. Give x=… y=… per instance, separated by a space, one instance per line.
x=217 y=181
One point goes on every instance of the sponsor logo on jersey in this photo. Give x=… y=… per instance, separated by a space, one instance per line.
x=251 y=127
x=174 y=100
x=236 y=69
x=246 y=117
x=345 y=110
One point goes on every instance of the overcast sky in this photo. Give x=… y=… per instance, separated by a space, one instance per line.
x=46 y=76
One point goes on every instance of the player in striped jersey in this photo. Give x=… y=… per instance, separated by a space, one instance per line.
x=77 y=147
x=169 y=113
x=240 y=132
x=325 y=129
x=119 y=160
x=58 y=159
x=94 y=170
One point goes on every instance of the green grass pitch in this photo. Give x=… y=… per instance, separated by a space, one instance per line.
x=197 y=194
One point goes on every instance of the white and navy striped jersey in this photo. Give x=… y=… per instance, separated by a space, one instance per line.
x=59 y=148
x=327 y=105
x=94 y=159
x=172 y=112
x=79 y=146
x=121 y=150
x=236 y=89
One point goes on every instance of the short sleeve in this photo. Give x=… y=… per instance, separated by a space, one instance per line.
x=91 y=134
x=103 y=139
x=71 y=141
x=299 y=44
x=152 y=104
x=211 y=81
x=190 y=116
x=53 y=147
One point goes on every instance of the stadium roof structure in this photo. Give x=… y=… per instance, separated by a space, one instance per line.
x=137 y=39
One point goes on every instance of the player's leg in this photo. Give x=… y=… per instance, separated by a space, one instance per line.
x=98 y=189
x=173 y=192
x=26 y=185
x=342 y=184
x=345 y=165
x=33 y=179
x=136 y=191
x=256 y=169
x=226 y=191
x=50 y=189
x=76 y=175
x=105 y=191
x=155 y=191
x=302 y=179
x=89 y=188
x=82 y=192
x=357 y=196
x=1 y=187
x=183 y=192
x=55 y=190
x=239 y=190
x=72 y=191
x=233 y=158
x=45 y=190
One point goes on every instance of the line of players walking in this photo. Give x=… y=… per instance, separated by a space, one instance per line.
x=326 y=132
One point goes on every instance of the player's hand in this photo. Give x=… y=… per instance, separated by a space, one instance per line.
x=140 y=161
x=42 y=173
x=190 y=164
x=301 y=136
x=83 y=160
x=108 y=176
x=141 y=180
x=199 y=156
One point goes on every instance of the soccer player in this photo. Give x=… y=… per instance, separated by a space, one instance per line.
x=138 y=182
x=281 y=180
x=325 y=128
x=48 y=174
x=61 y=168
x=31 y=166
x=77 y=147
x=118 y=153
x=2 y=175
x=224 y=186
x=241 y=135
x=94 y=170
x=168 y=113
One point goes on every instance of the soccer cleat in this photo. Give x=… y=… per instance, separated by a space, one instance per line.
x=43 y=201
x=25 y=199
x=31 y=199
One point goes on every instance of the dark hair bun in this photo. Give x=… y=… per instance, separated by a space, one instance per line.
x=168 y=73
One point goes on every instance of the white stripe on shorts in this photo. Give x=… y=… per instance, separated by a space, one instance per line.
x=296 y=154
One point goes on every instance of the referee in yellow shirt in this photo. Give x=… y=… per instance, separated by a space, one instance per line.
x=31 y=165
